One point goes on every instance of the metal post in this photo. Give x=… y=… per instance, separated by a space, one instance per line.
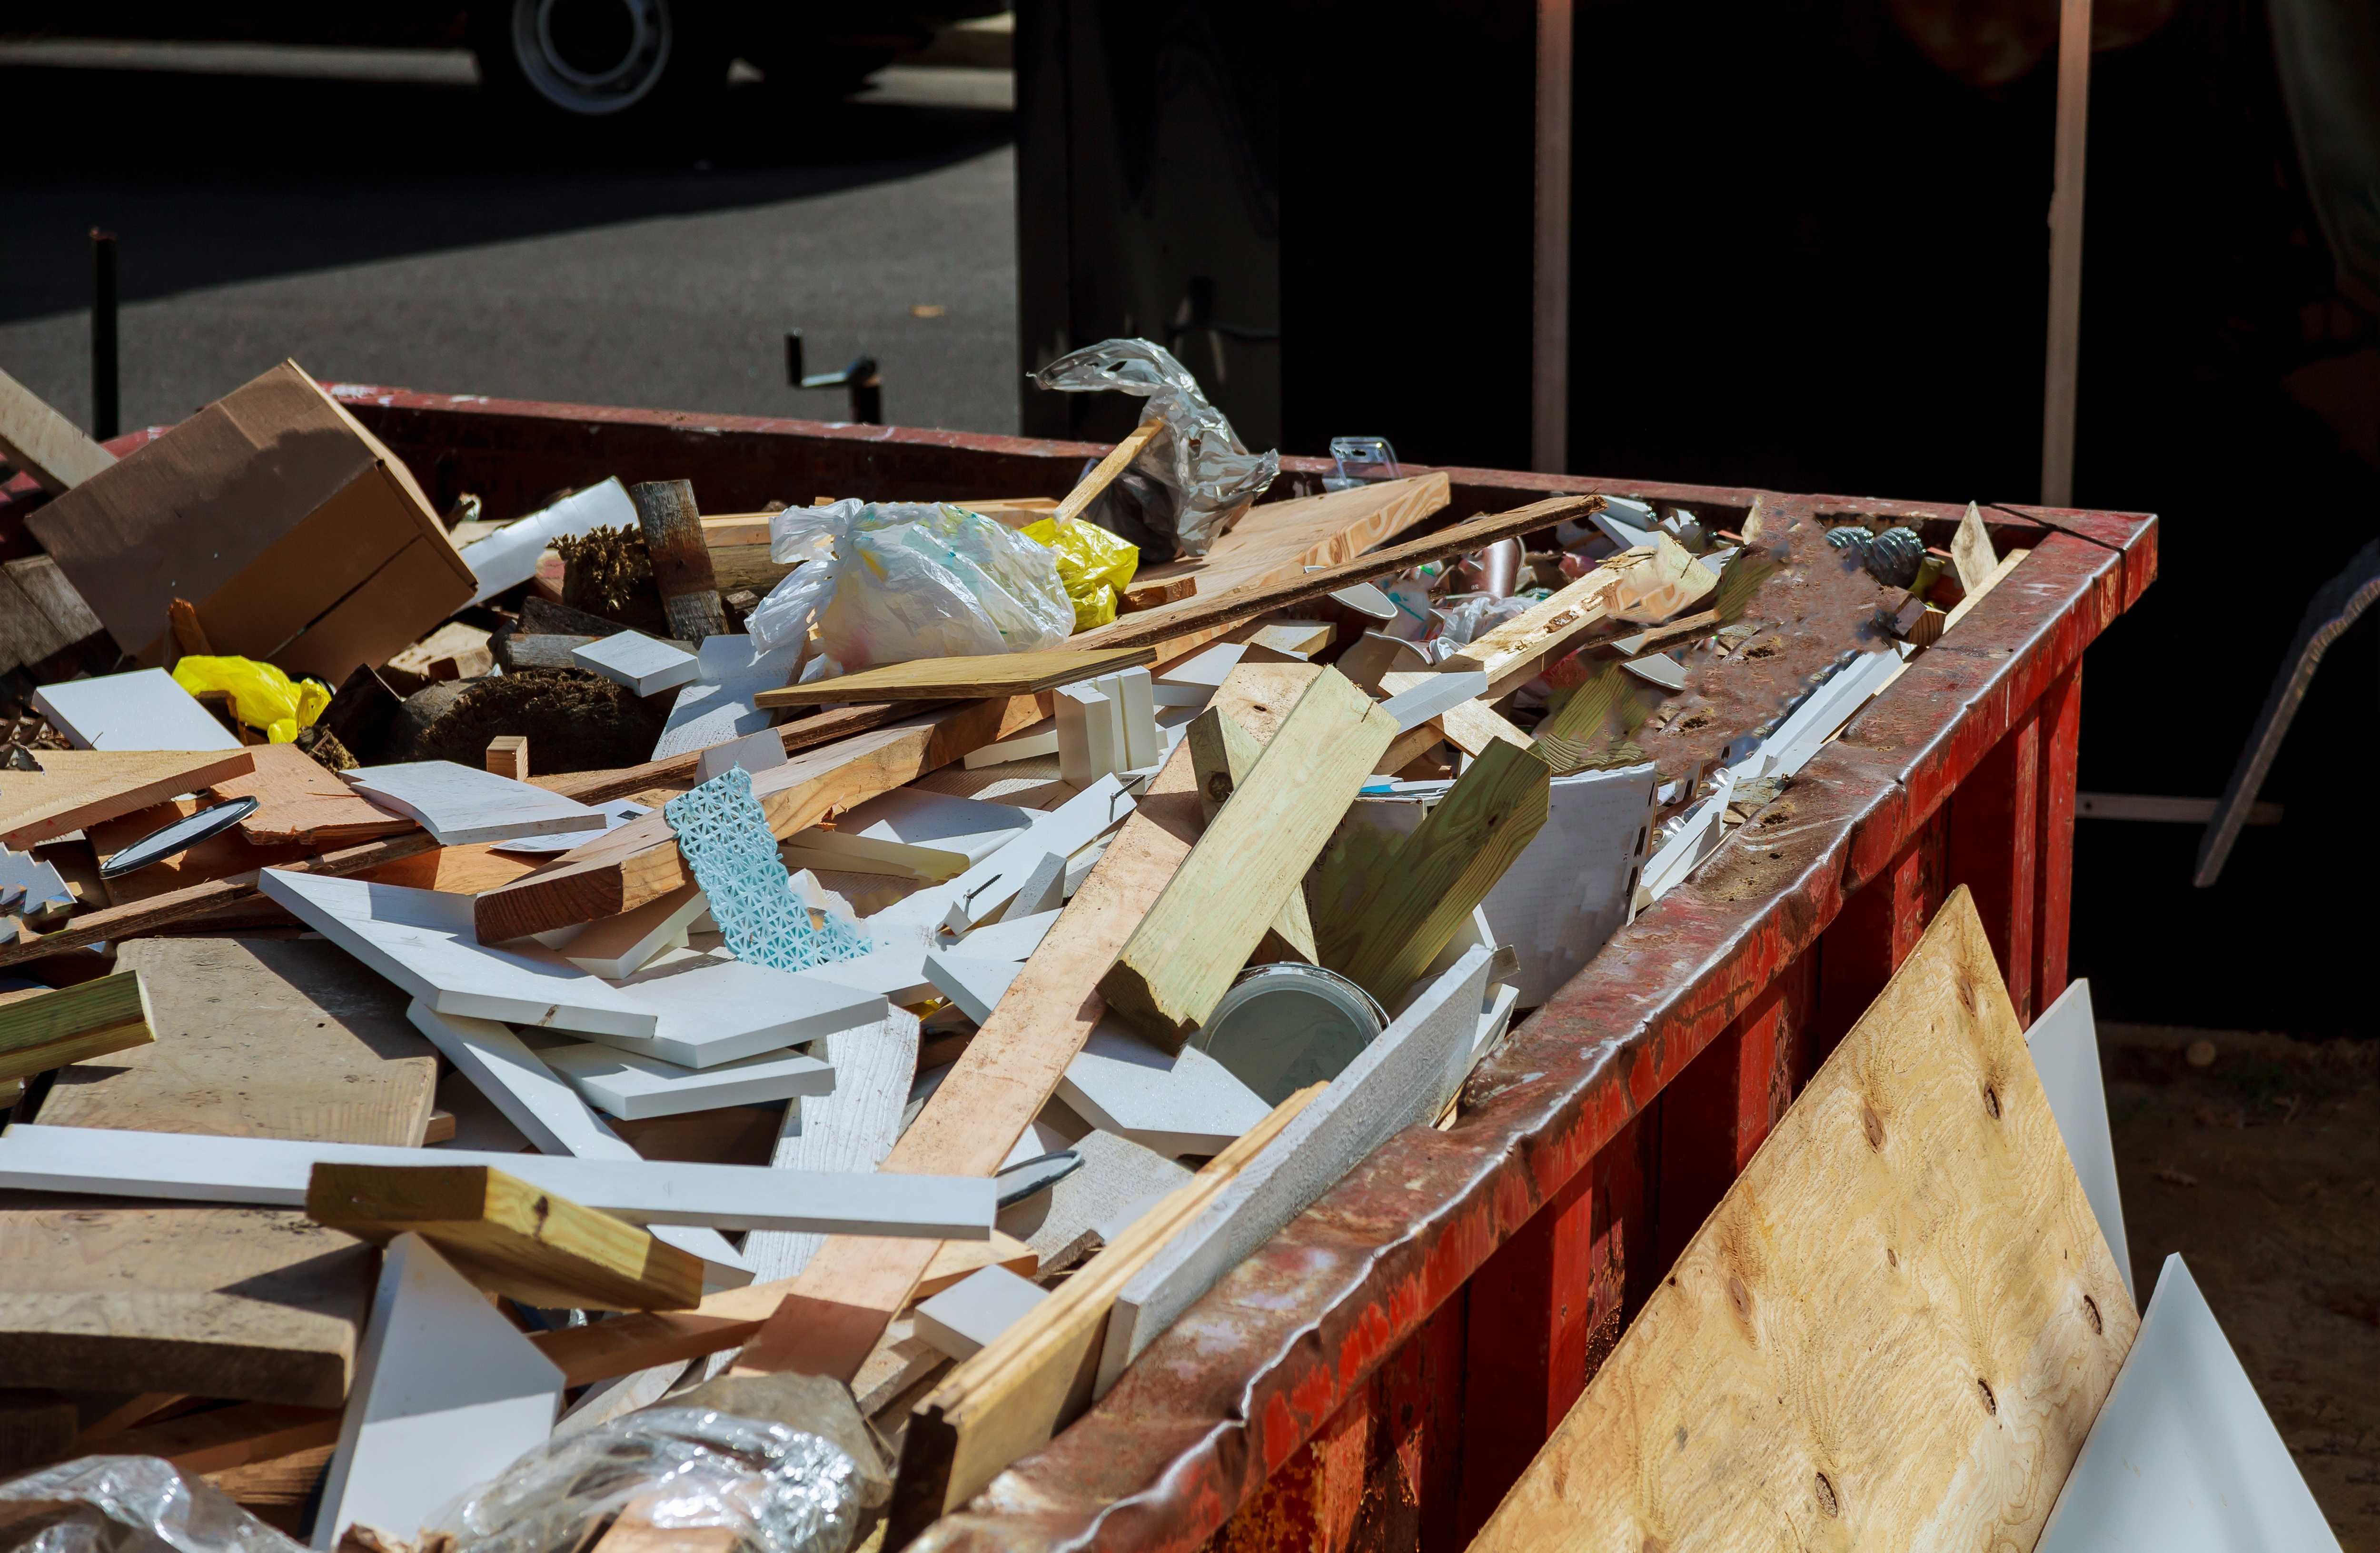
x=2065 y=254
x=103 y=415
x=1549 y=302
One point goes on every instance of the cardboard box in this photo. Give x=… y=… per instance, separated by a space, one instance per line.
x=301 y=539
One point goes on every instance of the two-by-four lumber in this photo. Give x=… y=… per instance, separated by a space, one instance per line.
x=1439 y=873
x=43 y=443
x=1514 y=653
x=1893 y=1331
x=40 y=1030
x=507 y=1236
x=1019 y=1392
x=507 y=756
x=1222 y=753
x=682 y=574
x=1103 y=474
x=77 y=788
x=947 y=679
x=1198 y=937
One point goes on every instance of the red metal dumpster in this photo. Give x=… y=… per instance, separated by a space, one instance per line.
x=1383 y=1370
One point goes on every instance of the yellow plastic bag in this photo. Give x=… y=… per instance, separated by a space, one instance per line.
x=262 y=697
x=1094 y=567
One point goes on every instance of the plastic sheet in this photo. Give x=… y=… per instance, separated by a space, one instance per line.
x=780 y=1489
x=725 y=834
x=1094 y=566
x=127 y=1504
x=262 y=697
x=1179 y=494
x=886 y=582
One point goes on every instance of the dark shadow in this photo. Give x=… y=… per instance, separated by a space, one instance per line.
x=208 y=179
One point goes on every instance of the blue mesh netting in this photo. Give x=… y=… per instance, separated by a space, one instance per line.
x=727 y=842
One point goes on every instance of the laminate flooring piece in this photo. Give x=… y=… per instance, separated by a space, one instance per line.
x=460 y=804
x=141 y=709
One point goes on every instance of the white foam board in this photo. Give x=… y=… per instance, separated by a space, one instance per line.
x=754 y=752
x=711 y=1008
x=191 y=1167
x=446 y=1392
x=1066 y=829
x=1399 y=1080
x=974 y=985
x=2183 y=1457
x=1013 y=937
x=932 y=834
x=633 y=1087
x=143 y=709
x=460 y=804
x=1184 y=1103
x=508 y=557
x=1569 y=888
x=718 y=705
x=2064 y=1041
x=422 y=940
x=970 y=1316
x=644 y=664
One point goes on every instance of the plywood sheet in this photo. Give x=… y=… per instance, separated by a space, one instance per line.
x=298 y=800
x=75 y=788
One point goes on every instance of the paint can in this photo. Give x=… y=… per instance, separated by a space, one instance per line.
x=1285 y=1025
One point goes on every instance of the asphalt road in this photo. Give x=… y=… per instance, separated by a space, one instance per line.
x=369 y=217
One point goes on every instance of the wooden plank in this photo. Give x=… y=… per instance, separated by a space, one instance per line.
x=46 y=588
x=246 y=1303
x=44 y=444
x=1199 y=934
x=1103 y=474
x=507 y=1236
x=40 y=1030
x=300 y=802
x=1437 y=874
x=945 y=679
x=1157 y=591
x=1222 y=753
x=852 y=1129
x=1999 y=573
x=1533 y=636
x=1901 y=1317
x=1015 y=1395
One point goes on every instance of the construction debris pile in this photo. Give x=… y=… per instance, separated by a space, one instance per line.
x=498 y=1010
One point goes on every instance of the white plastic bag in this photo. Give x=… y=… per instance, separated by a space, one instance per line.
x=892 y=581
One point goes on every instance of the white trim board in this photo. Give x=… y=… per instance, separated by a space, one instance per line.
x=974 y=984
x=647 y=665
x=508 y=557
x=633 y=1087
x=930 y=834
x=718 y=705
x=141 y=709
x=616 y=812
x=461 y=806
x=712 y=1008
x=994 y=882
x=2183 y=1457
x=895 y=974
x=446 y=1393
x=1016 y=939
x=763 y=751
x=1434 y=697
x=970 y=1316
x=852 y=1129
x=1035 y=739
x=422 y=941
x=1399 y=1080
x=189 y=1167
x=1180 y=1103
x=2064 y=1041
x=551 y=1116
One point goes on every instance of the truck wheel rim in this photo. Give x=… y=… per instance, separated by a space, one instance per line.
x=592 y=57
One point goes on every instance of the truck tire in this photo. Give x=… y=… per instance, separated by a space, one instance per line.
x=601 y=61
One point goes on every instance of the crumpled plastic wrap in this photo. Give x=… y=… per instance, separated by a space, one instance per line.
x=262 y=697
x=127 y=1504
x=779 y=1488
x=1469 y=618
x=1177 y=495
x=1094 y=564
x=889 y=582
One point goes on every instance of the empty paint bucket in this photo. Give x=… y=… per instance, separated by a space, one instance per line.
x=1283 y=1027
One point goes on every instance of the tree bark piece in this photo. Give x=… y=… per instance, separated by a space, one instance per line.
x=682 y=570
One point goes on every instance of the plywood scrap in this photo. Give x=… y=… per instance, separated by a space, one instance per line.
x=141 y=709
x=40 y=1031
x=1435 y=877
x=508 y=757
x=43 y=443
x=258 y=1037
x=243 y=1303
x=299 y=802
x=1898 y=1322
x=1199 y=934
x=76 y=788
x=446 y=1391
x=968 y=1317
x=1015 y=1396
x=507 y=1236
x=944 y=679
x=460 y=805
x=1970 y=552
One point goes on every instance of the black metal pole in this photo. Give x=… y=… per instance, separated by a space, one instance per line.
x=104 y=407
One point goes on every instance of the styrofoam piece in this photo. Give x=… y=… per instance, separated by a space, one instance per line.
x=444 y=1386
x=932 y=834
x=718 y=705
x=2065 y=1045
x=1026 y=743
x=755 y=752
x=1434 y=696
x=1013 y=937
x=2183 y=1457
x=1569 y=888
x=644 y=664
x=460 y=804
x=422 y=940
x=1044 y=890
x=970 y=1316
x=143 y=709
x=1132 y=691
x=191 y=1167
x=620 y=946
x=1181 y=1103
x=712 y=1008
x=553 y=1119
x=508 y=557
x=974 y=984
x=1658 y=668
x=1090 y=734
x=896 y=975
x=1400 y=1079
x=994 y=882
x=616 y=812
x=630 y=1086
x=1206 y=669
